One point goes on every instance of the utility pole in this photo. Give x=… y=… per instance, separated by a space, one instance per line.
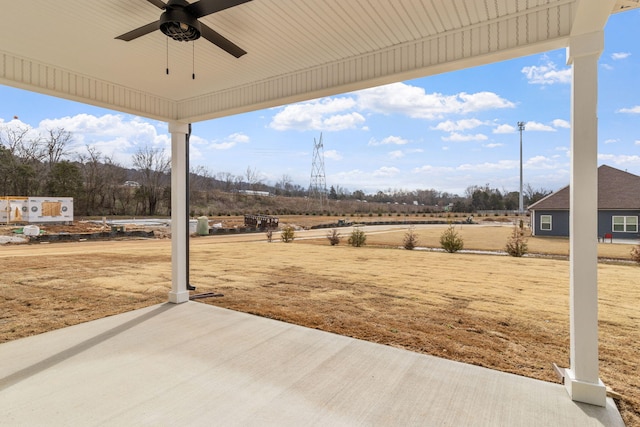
x=521 y=204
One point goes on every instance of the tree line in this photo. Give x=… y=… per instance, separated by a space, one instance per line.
x=41 y=164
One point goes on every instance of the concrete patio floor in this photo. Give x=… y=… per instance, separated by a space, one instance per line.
x=196 y=364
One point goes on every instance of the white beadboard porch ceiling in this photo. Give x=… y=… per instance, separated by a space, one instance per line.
x=297 y=49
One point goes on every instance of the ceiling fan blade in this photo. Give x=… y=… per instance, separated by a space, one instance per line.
x=134 y=34
x=207 y=7
x=221 y=41
x=158 y=4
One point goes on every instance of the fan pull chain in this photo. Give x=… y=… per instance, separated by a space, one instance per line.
x=167 y=56
x=193 y=63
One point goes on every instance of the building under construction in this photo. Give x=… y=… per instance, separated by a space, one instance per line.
x=261 y=222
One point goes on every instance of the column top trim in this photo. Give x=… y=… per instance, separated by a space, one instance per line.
x=585 y=45
x=179 y=127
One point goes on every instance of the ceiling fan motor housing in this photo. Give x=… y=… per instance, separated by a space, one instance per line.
x=179 y=25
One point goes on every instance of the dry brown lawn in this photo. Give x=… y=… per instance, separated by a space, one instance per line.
x=504 y=313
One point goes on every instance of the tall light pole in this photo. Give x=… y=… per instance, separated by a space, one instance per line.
x=521 y=205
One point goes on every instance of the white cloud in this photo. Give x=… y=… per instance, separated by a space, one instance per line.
x=620 y=55
x=434 y=169
x=394 y=140
x=538 y=127
x=230 y=141
x=354 y=177
x=565 y=150
x=546 y=74
x=504 y=129
x=539 y=162
x=632 y=110
x=117 y=136
x=611 y=141
x=620 y=159
x=458 y=137
x=341 y=113
x=341 y=122
x=328 y=114
x=106 y=125
x=414 y=102
x=333 y=155
x=222 y=145
x=488 y=166
x=386 y=172
x=493 y=145
x=451 y=126
x=559 y=123
x=483 y=101
x=637 y=142
x=239 y=137
x=397 y=154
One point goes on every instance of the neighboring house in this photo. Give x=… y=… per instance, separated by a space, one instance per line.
x=618 y=207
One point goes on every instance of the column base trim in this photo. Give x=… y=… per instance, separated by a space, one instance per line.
x=178 y=297
x=585 y=392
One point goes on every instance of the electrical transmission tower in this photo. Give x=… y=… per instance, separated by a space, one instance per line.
x=318 y=183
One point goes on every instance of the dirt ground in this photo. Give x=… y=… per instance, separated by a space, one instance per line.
x=504 y=313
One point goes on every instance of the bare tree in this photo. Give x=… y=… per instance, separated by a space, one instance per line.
x=284 y=184
x=227 y=179
x=199 y=184
x=153 y=166
x=116 y=192
x=13 y=137
x=532 y=195
x=55 y=146
x=93 y=182
x=253 y=178
x=21 y=156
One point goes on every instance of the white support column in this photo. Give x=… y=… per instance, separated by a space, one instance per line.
x=179 y=220
x=581 y=379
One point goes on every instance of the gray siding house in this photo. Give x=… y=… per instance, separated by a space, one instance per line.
x=618 y=207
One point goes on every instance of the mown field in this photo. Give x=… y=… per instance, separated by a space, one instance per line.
x=504 y=313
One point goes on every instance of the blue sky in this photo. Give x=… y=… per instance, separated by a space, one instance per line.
x=445 y=132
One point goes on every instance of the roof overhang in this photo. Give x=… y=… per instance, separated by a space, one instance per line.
x=296 y=50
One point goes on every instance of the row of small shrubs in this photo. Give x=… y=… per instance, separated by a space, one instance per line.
x=356 y=239
x=450 y=240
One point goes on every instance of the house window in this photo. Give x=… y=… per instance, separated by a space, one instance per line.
x=545 y=222
x=625 y=224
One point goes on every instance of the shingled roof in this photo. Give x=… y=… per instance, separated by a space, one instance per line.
x=616 y=190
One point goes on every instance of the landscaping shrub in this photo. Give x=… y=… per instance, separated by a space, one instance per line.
x=410 y=240
x=357 y=238
x=517 y=243
x=334 y=237
x=450 y=240
x=288 y=234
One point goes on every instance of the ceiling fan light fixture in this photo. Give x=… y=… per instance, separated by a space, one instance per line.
x=180 y=22
x=179 y=25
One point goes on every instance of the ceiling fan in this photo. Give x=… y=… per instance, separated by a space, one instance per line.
x=180 y=22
